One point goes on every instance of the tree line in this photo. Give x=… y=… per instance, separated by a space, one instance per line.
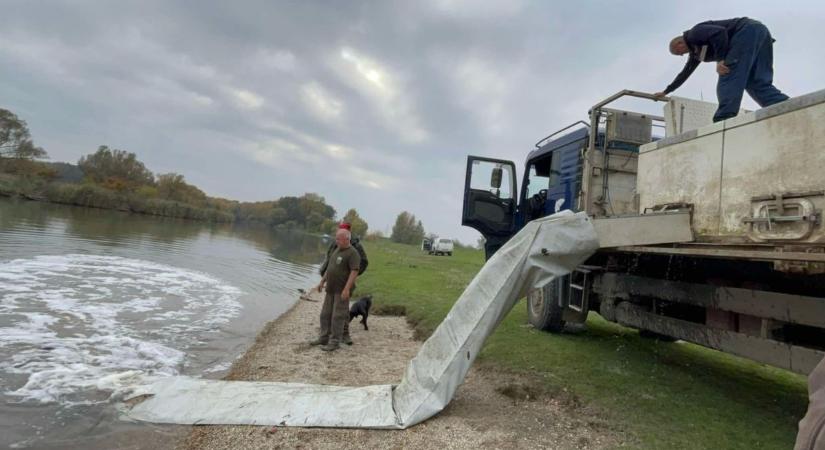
x=409 y=230
x=116 y=179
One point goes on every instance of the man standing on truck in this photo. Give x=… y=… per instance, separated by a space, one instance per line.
x=743 y=51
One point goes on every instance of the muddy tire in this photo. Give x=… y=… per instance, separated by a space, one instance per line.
x=544 y=310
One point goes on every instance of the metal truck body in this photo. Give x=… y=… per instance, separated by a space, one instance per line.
x=733 y=171
x=748 y=277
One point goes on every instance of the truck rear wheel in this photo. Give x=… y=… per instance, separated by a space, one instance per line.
x=544 y=306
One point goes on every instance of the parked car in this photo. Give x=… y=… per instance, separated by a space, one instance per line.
x=442 y=246
x=427 y=246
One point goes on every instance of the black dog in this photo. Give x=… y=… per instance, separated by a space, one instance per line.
x=361 y=308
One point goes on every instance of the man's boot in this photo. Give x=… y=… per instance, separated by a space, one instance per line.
x=319 y=341
x=331 y=347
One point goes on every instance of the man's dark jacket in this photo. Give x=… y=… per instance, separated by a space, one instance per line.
x=707 y=41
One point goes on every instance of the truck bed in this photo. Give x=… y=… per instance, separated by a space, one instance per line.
x=753 y=179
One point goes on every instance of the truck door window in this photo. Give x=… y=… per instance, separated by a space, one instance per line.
x=535 y=182
x=490 y=197
x=539 y=180
x=481 y=176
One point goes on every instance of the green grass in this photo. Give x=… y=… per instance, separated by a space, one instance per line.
x=666 y=395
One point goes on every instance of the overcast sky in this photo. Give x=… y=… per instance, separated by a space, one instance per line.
x=374 y=105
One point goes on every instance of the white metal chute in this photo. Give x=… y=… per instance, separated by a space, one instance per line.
x=543 y=250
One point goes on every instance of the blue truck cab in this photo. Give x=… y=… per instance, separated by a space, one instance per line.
x=552 y=182
x=584 y=166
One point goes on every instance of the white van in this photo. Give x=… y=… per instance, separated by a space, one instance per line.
x=442 y=246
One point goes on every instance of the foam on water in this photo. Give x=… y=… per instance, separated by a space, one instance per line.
x=69 y=324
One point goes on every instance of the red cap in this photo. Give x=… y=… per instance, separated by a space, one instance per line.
x=344 y=226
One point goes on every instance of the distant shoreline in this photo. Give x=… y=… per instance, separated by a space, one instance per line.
x=308 y=213
x=125 y=208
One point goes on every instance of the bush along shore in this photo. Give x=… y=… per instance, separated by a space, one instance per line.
x=92 y=196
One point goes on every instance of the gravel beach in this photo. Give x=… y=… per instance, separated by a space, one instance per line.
x=492 y=409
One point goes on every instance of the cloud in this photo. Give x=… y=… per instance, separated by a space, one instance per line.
x=483 y=90
x=339 y=152
x=321 y=103
x=281 y=60
x=384 y=91
x=301 y=153
x=470 y=9
x=369 y=178
x=247 y=99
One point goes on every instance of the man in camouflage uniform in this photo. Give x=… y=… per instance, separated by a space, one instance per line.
x=356 y=243
x=339 y=278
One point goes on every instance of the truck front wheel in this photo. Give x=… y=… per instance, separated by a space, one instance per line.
x=544 y=306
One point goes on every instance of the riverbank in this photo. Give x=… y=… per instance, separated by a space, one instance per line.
x=666 y=395
x=92 y=196
x=607 y=382
x=494 y=408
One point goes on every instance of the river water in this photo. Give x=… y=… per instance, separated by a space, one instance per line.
x=88 y=294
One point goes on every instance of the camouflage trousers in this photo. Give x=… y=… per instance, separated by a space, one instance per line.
x=334 y=318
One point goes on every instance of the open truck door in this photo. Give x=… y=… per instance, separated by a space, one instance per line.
x=490 y=200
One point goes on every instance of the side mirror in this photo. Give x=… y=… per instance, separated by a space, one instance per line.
x=495 y=178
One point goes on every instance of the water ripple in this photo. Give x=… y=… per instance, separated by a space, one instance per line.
x=67 y=321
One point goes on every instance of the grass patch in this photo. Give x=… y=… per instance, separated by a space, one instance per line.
x=667 y=395
x=389 y=310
